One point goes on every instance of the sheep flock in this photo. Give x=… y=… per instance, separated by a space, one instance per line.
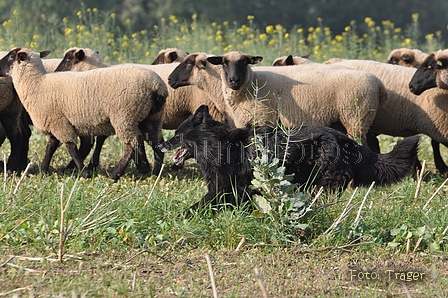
x=79 y=98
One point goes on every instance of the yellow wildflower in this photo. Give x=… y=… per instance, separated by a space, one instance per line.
x=113 y=15
x=250 y=18
x=269 y=29
x=415 y=16
x=173 y=19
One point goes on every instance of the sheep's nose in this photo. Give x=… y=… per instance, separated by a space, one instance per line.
x=234 y=80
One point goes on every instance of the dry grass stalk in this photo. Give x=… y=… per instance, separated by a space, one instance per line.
x=260 y=283
x=358 y=216
x=212 y=278
x=63 y=232
x=419 y=180
x=435 y=193
x=154 y=186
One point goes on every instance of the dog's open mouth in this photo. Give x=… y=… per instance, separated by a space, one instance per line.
x=179 y=157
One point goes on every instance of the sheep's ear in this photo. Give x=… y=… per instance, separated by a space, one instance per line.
x=215 y=60
x=22 y=56
x=172 y=56
x=289 y=60
x=80 y=55
x=255 y=59
x=307 y=55
x=45 y=53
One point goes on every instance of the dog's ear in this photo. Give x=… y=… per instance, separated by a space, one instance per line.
x=200 y=115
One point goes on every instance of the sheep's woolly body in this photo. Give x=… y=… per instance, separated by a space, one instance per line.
x=407 y=57
x=51 y=64
x=405 y=113
x=69 y=112
x=180 y=103
x=298 y=94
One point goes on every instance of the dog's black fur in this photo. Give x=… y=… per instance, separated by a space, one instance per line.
x=316 y=155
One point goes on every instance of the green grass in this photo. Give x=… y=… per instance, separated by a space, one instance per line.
x=130 y=238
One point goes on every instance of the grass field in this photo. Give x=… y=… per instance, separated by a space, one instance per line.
x=62 y=236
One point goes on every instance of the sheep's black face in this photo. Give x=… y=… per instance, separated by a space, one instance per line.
x=425 y=77
x=235 y=67
x=7 y=61
x=67 y=62
x=180 y=76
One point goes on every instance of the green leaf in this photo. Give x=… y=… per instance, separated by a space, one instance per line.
x=263 y=205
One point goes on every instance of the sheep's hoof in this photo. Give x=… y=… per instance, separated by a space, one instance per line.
x=86 y=173
x=71 y=166
x=143 y=168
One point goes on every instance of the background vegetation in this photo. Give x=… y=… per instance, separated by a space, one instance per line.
x=335 y=14
x=60 y=235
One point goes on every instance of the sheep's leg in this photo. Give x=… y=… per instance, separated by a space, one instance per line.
x=52 y=145
x=19 y=143
x=95 y=160
x=440 y=164
x=85 y=146
x=71 y=147
x=140 y=158
x=123 y=162
x=153 y=135
x=2 y=134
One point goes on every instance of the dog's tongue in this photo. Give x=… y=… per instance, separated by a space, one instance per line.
x=178 y=157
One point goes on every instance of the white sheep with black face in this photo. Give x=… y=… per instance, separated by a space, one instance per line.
x=291 y=95
x=405 y=113
x=124 y=100
x=180 y=103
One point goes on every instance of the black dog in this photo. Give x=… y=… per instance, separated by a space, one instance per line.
x=316 y=155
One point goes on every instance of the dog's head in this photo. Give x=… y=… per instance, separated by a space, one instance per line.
x=192 y=134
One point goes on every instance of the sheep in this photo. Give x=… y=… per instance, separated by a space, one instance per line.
x=431 y=73
x=406 y=57
x=414 y=58
x=291 y=60
x=124 y=100
x=16 y=120
x=405 y=113
x=180 y=103
x=303 y=96
x=13 y=125
x=169 y=55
